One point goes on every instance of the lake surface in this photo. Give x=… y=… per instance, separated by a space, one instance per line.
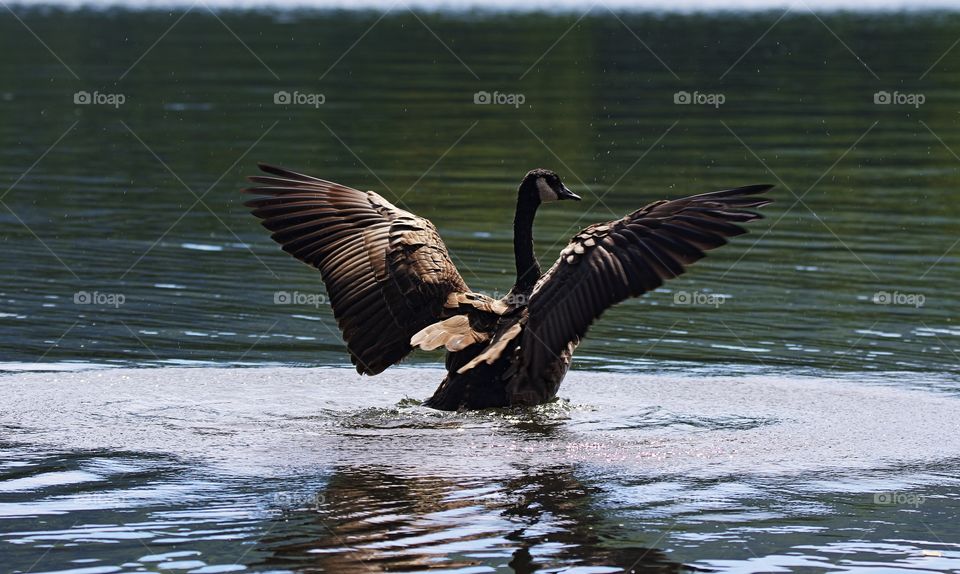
x=279 y=469
x=757 y=414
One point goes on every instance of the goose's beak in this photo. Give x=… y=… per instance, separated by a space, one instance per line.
x=567 y=194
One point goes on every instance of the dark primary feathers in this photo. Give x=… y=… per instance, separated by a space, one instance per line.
x=387 y=272
x=609 y=262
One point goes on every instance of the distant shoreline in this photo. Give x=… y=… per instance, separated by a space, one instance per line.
x=510 y=6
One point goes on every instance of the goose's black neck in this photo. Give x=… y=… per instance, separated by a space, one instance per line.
x=528 y=270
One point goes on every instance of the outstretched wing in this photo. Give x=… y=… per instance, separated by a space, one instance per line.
x=387 y=272
x=609 y=262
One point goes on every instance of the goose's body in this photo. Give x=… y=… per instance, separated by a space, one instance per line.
x=393 y=286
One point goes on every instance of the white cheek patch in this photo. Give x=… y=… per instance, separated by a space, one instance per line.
x=546 y=192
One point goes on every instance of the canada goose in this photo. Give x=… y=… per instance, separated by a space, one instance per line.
x=393 y=286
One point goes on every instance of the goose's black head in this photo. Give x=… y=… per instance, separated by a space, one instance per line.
x=543 y=185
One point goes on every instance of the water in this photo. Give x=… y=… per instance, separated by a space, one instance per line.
x=278 y=468
x=766 y=432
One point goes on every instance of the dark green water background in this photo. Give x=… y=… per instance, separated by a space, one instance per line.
x=113 y=208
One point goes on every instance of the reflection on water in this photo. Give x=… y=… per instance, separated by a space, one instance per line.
x=540 y=518
x=211 y=470
x=370 y=518
x=129 y=512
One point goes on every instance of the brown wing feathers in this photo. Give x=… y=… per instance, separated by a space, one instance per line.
x=606 y=263
x=387 y=271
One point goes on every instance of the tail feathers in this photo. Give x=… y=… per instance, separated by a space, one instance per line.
x=454 y=333
x=495 y=350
